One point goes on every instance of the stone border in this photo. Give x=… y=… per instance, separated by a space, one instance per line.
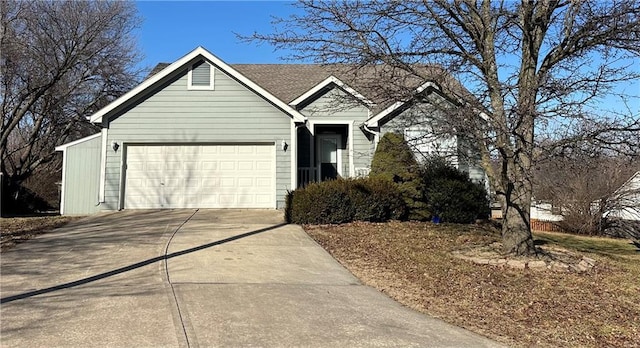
x=493 y=259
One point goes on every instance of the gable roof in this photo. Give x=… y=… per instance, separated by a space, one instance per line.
x=326 y=84
x=64 y=147
x=290 y=82
x=160 y=76
x=631 y=185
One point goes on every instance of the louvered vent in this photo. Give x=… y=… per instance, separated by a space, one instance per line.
x=201 y=75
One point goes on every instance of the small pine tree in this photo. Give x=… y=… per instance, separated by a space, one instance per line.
x=394 y=160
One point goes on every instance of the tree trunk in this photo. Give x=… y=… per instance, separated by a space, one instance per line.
x=516 y=227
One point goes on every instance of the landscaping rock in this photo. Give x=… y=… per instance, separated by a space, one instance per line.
x=497 y=262
x=516 y=264
x=559 y=266
x=480 y=260
x=537 y=265
x=591 y=262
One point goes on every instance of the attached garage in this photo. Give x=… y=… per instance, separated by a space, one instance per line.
x=199 y=176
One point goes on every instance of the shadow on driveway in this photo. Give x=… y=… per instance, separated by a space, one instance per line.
x=135 y=265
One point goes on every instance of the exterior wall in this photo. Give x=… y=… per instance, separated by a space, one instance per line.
x=419 y=119
x=230 y=113
x=629 y=200
x=544 y=212
x=332 y=107
x=82 y=178
x=457 y=150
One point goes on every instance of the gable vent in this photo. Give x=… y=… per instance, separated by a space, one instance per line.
x=201 y=76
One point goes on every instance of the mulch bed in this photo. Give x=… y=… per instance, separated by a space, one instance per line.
x=20 y=229
x=416 y=264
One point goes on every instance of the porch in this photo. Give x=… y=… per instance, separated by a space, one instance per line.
x=326 y=152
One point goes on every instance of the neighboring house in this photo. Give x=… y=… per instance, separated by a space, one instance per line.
x=200 y=133
x=626 y=200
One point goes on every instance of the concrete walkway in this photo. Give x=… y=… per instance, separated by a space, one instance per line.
x=207 y=278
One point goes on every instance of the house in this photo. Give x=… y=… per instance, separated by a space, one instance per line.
x=200 y=133
x=626 y=200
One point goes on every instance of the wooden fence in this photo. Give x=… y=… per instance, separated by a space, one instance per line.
x=545 y=226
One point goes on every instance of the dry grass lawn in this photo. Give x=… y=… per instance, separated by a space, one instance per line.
x=412 y=263
x=19 y=229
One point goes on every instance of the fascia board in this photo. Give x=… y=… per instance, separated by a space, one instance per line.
x=63 y=147
x=199 y=51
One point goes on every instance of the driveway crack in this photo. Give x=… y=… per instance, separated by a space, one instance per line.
x=168 y=278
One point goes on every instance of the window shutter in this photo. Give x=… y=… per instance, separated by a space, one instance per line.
x=201 y=74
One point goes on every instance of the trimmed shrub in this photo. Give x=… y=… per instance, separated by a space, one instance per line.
x=345 y=200
x=394 y=160
x=451 y=195
x=376 y=200
x=327 y=202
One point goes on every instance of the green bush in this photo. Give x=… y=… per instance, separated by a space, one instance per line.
x=394 y=160
x=345 y=200
x=327 y=202
x=451 y=195
x=376 y=200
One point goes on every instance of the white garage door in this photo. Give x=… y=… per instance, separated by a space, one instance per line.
x=202 y=176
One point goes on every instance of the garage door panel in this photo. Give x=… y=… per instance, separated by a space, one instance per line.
x=229 y=150
x=246 y=165
x=211 y=183
x=263 y=165
x=209 y=165
x=244 y=182
x=227 y=165
x=264 y=183
x=246 y=150
x=263 y=199
x=208 y=176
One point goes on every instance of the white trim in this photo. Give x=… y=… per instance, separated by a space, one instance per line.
x=274 y=173
x=294 y=155
x=210 y=87
x=122 y=183
x=216 y=62
x=328 y=81
x=352 y=169
x=373 y=122
x=64 y=147
x=64 y=181
x=313 y=123
x=350 y=123
x=103 y=165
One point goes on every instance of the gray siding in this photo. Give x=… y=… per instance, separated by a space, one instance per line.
x=420 y=118
x=462 y=153
x=333 y=106
x=230 y=113
x=82 y=178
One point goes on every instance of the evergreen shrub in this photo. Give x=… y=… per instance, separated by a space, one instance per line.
x=394 y=160
x=451 y=195
x=345 y=200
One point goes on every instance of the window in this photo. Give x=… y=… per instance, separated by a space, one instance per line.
x=201 y=76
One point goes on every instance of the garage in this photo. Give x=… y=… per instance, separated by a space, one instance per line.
x=200 y=176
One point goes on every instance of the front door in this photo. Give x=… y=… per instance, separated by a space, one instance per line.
x=329 y=156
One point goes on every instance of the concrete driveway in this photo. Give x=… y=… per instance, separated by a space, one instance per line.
x=198 y=278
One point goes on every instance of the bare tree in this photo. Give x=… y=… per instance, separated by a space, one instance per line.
x=60 y=61
x=531 y=66
x=586 y=185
